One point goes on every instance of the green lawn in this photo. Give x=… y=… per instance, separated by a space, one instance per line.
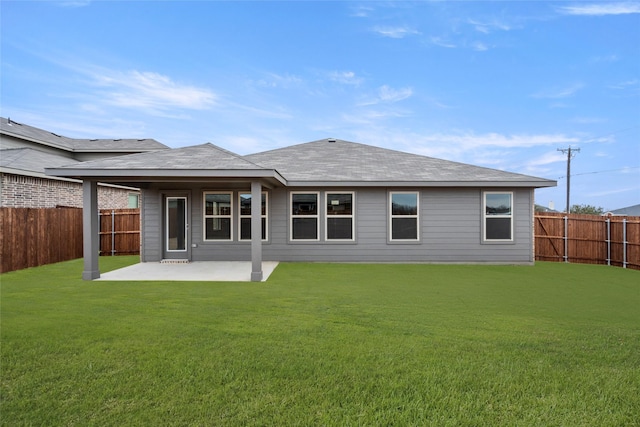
x=325 y=344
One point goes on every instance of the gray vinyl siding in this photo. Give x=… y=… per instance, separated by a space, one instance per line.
x=151 y=237
x=450 y=228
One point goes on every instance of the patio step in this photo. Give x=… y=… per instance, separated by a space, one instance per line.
x=174 y=261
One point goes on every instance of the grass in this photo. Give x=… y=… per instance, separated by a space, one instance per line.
x=325 y=344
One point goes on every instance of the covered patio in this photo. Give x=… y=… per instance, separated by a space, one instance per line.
x=203 y=271
x=170 y=174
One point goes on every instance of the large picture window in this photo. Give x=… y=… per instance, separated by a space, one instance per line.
x=304 y=216
x=218 y=216
x=245 y=216
x=339 y=216
x=404 y=217
x=498 y=216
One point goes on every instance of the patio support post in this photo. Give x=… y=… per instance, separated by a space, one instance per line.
x=256 y=231
x=90 y=230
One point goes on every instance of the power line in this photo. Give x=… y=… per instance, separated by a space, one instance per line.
x=610 y=170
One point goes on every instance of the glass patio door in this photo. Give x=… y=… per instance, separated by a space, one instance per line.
x=176 y=228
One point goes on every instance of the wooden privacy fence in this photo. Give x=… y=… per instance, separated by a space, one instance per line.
x=589 y=239
x=30 y=237
x=120 y=232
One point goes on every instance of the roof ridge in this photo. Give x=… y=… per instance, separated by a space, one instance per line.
x=236 y=155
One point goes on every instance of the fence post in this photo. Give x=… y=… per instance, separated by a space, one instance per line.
x=113 y=232
x=624 y=243
x=608 y=241
x=566 y=239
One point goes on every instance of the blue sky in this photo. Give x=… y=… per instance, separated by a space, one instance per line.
x=496 y=84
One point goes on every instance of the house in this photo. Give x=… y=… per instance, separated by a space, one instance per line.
x=327 y=200
x=626 y=211
x=25 y=151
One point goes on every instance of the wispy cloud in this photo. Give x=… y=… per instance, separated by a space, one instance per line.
x=395 y=32
x=361 y=11
x=471 y=140
x=439 y=41
x=546 y=159
x=601 y=9
x=626 y=85
x=345 y=77
x=561 y=92
x=479 y=46
x=387 y=95
x=74 y=3
x=274 y=80
x=151 y=91
x=490 y=26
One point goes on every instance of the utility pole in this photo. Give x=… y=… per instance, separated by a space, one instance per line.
x=570 y=154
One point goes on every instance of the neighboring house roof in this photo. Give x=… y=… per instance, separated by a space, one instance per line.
x=40 y=136
x=628 y=211
x=18 y=160
x=336 y=163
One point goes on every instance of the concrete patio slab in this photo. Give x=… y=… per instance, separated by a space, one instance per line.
x=206 y=271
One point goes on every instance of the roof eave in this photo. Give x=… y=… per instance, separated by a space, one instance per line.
x=38 y=141
x=142 y=174
x=484 y=184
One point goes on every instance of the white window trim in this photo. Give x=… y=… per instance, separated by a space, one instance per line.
x=265 y=216
x=352 y=216
x=391 y=216
x=205 y=216
x=485 y=216
x=292 y=216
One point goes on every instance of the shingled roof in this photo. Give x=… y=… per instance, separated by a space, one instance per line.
x=319 y=163
x=349 y=163
x=77 y=145
x=30 y=160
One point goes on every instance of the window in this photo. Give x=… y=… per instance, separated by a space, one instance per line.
x=217 y=216
x=133 y=201
x=339 y=216
x=304 y=216
x=498 y=216
x=403 y=207
x=245 y=216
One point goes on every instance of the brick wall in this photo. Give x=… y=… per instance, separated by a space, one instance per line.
x=20 y=191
